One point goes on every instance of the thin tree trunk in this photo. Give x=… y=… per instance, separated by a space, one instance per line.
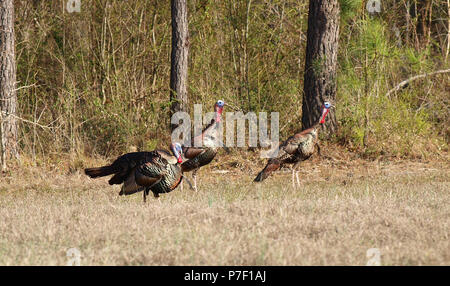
x=408 y=21
x=448 y=31
x=179 y=57
x=321 y=62
x=425 y=8
x=246 y=55
x=8 y=96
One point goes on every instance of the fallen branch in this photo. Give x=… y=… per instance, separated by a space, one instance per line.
x=25 y=120
x=26 y=86
x=405 y=82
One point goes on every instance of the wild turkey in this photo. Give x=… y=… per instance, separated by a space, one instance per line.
x=201 y=156
x=295 y=149
x=157 y=171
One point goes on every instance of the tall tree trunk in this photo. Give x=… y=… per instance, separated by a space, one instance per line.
x=321 y=61
x=179 y=57
x=8 y=97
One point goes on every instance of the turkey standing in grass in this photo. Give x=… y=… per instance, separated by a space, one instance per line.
x=201 y=156
x=296 y=149
x=157 y=171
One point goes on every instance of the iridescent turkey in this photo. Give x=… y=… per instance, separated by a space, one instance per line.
x=158 y=171
x=210 y=141
x=296 y=149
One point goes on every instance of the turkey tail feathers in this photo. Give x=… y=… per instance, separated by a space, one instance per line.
x=260 y=177
x=100 y=171
x=271 y=166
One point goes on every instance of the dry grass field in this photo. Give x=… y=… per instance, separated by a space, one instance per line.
x=341 y=210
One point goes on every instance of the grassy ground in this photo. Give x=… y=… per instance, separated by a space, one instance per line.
x=341 y=210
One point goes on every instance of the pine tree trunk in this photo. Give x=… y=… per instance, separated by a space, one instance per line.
x=8 y=97
x=179 y=57
x=321 y=62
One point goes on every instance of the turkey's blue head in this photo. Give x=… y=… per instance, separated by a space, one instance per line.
x=218 y=109
x=325 y=109
x=177 y=151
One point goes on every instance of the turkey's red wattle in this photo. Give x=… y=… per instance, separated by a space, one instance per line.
x=322 y=121
x=219 y=115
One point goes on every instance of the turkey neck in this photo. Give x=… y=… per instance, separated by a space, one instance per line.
x=211 y=124
x=317 y=123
